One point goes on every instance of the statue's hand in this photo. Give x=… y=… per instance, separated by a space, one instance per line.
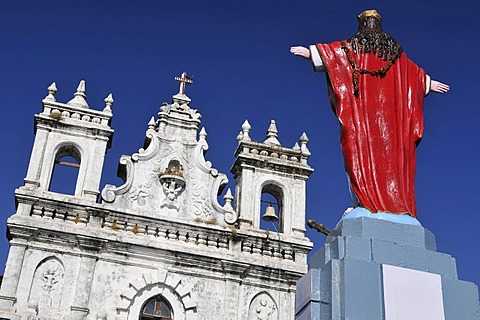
x=439 y=87
x=301 y=51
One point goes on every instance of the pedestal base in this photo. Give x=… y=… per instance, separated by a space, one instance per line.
x=373 y=269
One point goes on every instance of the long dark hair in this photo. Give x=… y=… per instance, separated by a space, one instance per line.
x=371 y=39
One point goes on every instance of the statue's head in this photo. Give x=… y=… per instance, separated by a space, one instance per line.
x=369 y=20
x=370 y=37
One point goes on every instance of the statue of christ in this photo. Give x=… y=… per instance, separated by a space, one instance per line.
x=377 y=94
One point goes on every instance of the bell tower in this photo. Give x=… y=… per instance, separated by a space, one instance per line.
x=48 y=221
x=269 y=168
x=72 y=130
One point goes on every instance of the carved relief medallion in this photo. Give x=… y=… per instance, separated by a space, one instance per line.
x=47 y=286
x=262 y=307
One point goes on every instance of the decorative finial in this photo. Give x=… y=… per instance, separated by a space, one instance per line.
x=304 y=138
x=296 y=147
x=52 y=90
x=81 y=89
x=228 y=198
x=151 y=123
x=246 y=129
x=272 y=134
x=108 y=103
x=240 y=136
x=184 y=79
x=303 y=141
x=79 y=97
x=203 y=134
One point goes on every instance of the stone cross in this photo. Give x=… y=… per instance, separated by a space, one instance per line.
x=184 y=79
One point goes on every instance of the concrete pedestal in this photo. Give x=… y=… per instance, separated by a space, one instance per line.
x=371 y=269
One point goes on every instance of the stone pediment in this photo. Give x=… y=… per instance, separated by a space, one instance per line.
x=170 y=176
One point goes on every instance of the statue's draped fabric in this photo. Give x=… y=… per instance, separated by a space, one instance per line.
x=380 y=127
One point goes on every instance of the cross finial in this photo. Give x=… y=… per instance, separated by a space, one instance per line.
x=184 y=79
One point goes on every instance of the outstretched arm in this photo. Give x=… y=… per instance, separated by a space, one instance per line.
x=310 y=54
x=300 y=51
x=439 y=87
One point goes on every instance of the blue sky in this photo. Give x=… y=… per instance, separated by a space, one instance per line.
x=238 y=53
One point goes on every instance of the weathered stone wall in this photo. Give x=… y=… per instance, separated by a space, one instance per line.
x=162 y=233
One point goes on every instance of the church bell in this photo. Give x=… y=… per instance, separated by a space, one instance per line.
x=270 y=215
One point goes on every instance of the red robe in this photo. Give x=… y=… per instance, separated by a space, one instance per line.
x=380 y=128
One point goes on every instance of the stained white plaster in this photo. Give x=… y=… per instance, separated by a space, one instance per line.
x=162 y=232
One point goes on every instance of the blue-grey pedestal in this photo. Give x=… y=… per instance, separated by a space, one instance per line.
x=346 y=277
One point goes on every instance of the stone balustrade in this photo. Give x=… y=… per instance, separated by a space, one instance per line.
x=203 y=235
x=60 y=111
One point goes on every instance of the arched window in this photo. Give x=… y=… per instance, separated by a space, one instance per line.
x=65 y=170
x=156 y=308
x=272 y=195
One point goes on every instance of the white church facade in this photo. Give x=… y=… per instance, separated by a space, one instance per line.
x=162 y=245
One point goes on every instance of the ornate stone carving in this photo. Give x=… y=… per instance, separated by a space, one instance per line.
x=262 y=307
x=201 y=205
x=51 y=277
x=184 y=108
x=139 y=193
x=47 y=286
x=173 y=184
x=125 y=171
x=171 y=165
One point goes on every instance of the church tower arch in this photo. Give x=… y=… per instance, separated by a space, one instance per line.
x=66 y=168
x=272 y=195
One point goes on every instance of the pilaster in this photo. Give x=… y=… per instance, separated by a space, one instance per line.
x=13 y=268
x=80 y=307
